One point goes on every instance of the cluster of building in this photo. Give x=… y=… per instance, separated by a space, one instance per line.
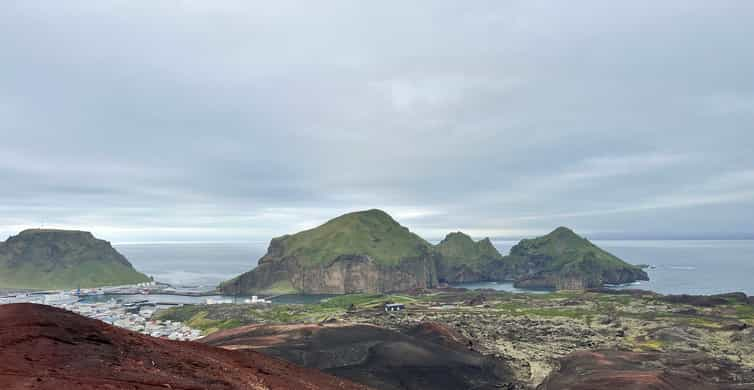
x=255 y=300
x=134 y=307
x=135 y=315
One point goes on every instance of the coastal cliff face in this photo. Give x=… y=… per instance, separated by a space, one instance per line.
x=366 y=251
x=362 y=274
x=370 y=252
x=348 y=274
x=51 y=258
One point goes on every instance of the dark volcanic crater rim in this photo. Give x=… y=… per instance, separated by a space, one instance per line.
x=427 y=356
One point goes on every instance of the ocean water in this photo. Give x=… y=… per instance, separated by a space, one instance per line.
x=690 y=267
x=678 y=267
x=193 y=264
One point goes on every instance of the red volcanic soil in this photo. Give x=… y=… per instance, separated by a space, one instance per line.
x=42 y=347
x=655 y=371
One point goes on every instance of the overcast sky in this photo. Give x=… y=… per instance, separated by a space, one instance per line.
x=211 y=121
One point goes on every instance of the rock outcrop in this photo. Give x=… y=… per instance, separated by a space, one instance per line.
x=369 y=251
x=42 y=347
x=56 y=259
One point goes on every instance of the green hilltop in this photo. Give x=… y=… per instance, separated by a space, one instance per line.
x=62 y=259
x=460 y=254
x=459 y=248
x=563 y=254
x=368 y=251
x=373 y=233
x=461 y=259
x=565 y=250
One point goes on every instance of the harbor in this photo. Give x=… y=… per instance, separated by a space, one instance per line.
x=132 y=306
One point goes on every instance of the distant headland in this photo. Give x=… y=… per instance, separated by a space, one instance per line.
x=62 y=259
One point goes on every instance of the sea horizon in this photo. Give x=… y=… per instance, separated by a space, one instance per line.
x=699 y=267
x=432 y=240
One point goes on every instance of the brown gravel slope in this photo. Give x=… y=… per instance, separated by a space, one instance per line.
x=43 y=347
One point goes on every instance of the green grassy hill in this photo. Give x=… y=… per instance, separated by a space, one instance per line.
x=459 y=251
x=563 y=253
x=462 y=259
x=565 y=249
x=372 y=232
x=459 y=248
x=329 y=258
x=61 y=259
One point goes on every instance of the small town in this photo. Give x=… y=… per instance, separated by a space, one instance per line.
x=135 y=317
x=132 y=314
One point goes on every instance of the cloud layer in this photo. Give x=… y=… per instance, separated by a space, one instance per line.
x=188 y=120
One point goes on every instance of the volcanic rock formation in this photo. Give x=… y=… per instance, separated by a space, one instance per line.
x=428 y=356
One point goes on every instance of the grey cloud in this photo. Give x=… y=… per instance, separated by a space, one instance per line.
x=242 y=120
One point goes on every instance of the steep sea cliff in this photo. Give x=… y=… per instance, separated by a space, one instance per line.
x=368 y=251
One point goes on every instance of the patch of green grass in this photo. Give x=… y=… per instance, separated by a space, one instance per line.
x=198 y=317
x=510 y=307
x=520 y=308
x=557 y=312
x=744 y=311
x=651 y=345
x=704 y=323
x=280 y=314
x=458 y=248
x=180 y=313
x=555 y=295
x=280 y=287
x=84 y=274
x=373 y=233
x=210 y=318
x=200 y=321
